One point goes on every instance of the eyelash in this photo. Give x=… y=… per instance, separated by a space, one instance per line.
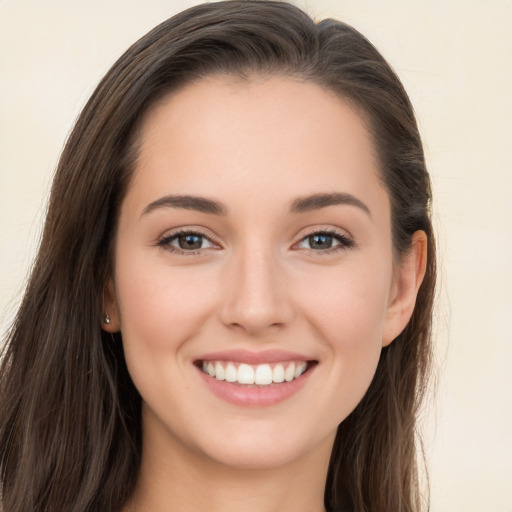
x=165 y=242
x=344 y=242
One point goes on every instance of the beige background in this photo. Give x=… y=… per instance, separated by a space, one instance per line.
x=455 y=60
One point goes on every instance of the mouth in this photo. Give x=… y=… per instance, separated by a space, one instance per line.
x=245 y=378
x=255 y=375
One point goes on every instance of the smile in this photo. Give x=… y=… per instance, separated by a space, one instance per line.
x=258 y=375
x=255 y=379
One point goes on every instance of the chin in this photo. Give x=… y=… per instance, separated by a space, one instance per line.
x=265 y=448
x=264 y=455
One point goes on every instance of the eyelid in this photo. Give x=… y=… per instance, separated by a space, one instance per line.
x=346 y=241
x=164 y=241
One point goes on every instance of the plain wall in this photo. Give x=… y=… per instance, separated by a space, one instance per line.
x=454 y=58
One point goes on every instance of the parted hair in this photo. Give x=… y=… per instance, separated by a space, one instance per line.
x=70 y=416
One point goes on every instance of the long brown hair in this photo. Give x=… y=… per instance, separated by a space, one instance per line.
x=70 y=421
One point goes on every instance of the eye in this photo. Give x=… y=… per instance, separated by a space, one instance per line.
x=329 y=241
x=186 y=242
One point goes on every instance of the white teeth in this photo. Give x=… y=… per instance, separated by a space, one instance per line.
x=278 y=373
x=245 y=374
x=260 y=375
x=289 y=373
x=231 y=373
x=299 y=370
x=219 y=371
x=263 y=375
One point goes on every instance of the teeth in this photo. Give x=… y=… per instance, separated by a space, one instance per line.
x=299 y=370
x=278 y=373
x=220 y=373
x=263 y=375
x=260 y=375
x=231 y=373
x=289 y=373
x=245 y=374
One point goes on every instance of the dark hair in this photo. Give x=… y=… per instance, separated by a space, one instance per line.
x=70 y=423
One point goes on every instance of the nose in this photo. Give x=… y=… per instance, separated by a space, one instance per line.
x=256 y=294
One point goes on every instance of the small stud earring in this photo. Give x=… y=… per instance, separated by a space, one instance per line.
x=106 y=320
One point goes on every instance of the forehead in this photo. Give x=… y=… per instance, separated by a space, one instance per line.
x=271 y=137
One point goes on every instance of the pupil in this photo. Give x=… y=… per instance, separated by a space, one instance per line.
x=320 y=241
x=190 y=242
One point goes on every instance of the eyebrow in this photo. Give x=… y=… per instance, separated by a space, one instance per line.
x=319 y=201
x=299 y=205
x=200 y=204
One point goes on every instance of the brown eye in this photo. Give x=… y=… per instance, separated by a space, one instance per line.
x=190 y=242
x=320 y=241
x=186 y=242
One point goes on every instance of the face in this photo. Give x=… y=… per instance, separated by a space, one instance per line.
x=254 y=281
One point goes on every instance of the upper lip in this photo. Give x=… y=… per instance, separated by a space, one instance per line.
x=250 y=357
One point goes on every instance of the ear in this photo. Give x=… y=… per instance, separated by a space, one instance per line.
x=110 y=309
x=406 y=283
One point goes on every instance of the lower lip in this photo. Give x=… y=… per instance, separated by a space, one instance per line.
x=246 y=396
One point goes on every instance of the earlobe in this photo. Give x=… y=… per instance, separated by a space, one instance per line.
x=110 y=321
x=408 y=279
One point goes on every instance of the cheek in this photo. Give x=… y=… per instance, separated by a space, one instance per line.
x=347 y=312
x=349 y=305
x=160 y=308
x=161 y=311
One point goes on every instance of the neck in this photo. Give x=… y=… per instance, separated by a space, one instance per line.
x=184 y=481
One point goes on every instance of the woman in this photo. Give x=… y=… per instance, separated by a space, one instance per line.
x=232 y=300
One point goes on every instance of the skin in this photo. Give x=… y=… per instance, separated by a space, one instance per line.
x=256 y=146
